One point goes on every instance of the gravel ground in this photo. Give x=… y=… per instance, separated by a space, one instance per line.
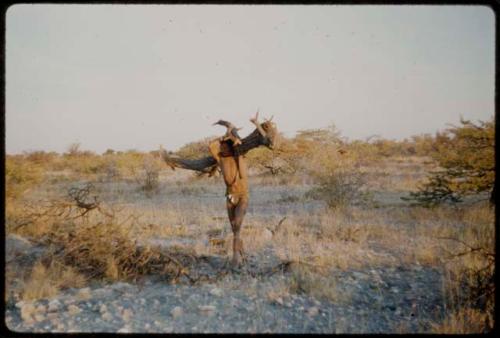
x=381 y=300
x=375 y=300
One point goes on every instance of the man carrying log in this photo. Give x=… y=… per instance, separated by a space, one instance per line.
x=228 y=155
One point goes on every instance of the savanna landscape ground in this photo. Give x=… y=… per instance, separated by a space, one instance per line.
x=120 y=242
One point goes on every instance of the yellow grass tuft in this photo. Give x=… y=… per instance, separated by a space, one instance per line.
x=306 y=280
x=46 y=281
x=464 y=321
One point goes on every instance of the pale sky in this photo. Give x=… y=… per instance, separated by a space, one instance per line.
x=136 y=76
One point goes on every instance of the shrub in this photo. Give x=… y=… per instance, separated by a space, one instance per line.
x=470 y=272
x=436 y=191
x=48 y=277
x=195 y=149
x=466 y=155
x=73 y=149
x=109 y=152
x=423 y=144
x=87 y=236
x=148 y=177
x=20 y=176
x=110 y=168
x=41 y=157
x=363 y=152
x=130 y=163
x=305 y=280
x=339 y=189
x=463 y=321
x=259 y=158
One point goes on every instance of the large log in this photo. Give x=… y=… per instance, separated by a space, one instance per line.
x=208 y=164
x=204 y=164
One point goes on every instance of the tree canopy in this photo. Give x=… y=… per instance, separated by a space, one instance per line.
x=466 y=155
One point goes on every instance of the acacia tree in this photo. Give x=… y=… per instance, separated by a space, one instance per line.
x=466 y=155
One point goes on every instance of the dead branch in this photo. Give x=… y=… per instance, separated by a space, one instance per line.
x=264 y=135
x=81 y=195
x=286 y=266
x=471 y=249
x=278 y=227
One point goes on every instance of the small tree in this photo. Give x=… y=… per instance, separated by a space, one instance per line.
x=340 y=188
x=73 y=149
x=109 y=151
x=336 y=178
x=466 y=155
x=148 y=177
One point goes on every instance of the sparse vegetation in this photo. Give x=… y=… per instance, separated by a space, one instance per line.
x=20 y=176
x=339 y=188
x=466 y=156
x=104 y=230
x=309 y=281
x=48 y=278
x=148 y=176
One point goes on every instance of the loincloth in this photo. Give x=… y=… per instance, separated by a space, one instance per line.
x=236 y=197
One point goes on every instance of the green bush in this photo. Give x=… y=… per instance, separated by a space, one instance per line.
x=466 y=155
x=339 y=188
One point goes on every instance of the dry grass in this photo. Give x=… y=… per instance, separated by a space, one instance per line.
x=105 y=250
x=464 y=321
x=441 y=238
x=164 y=230
x=93 y=239
x=278 y=293
x=352 y=238
x=333 y=240
x=308 y=280
x=46 y=280
x=462 y=243
x=397 y=173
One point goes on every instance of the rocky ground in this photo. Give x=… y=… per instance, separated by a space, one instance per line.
x=248 y=300
x=390 y=298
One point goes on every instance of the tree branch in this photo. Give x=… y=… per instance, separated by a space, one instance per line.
x=207 y=165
